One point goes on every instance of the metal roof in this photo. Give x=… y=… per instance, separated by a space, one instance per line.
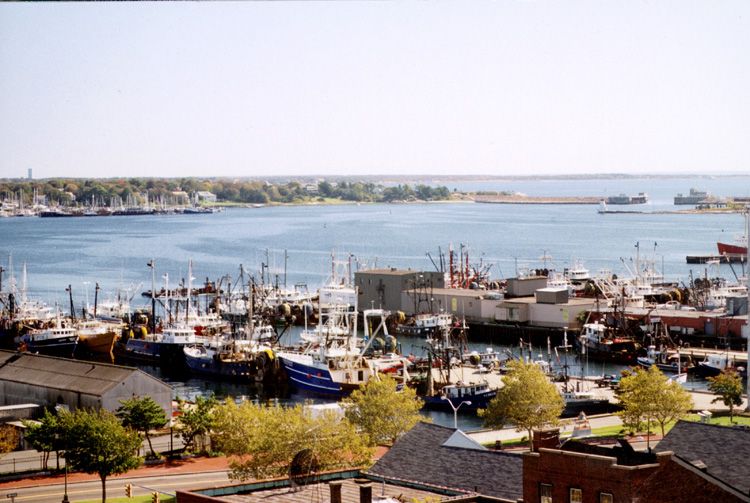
x=62 y=373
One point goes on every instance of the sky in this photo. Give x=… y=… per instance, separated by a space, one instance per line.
x=368 y=88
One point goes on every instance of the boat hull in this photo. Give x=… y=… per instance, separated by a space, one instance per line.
x=246 y=370
x=478 y=401
x=97 y=344
x=589 y=407
x=664 y=367
x=730 y=249
x=310 y=378
x=158 y=352
x=62 y=346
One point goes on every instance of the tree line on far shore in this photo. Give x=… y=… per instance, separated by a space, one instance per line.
x=101 y=192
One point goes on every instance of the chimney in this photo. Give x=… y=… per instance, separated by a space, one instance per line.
x=335 y=487
x=365 y=492
x=547 y=439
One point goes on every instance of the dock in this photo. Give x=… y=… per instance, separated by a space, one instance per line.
x=733 y=258
x=524 y=199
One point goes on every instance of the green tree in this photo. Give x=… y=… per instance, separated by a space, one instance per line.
x=382 y=412
x=96 y=442
x=728 y=385
x=265 y=439
x=142 y=414
x=195 y=420
x=527 y=400
x=648 y=396
x=43 y=435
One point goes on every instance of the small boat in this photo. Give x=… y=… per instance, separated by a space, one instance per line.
x=472 y=395
x=664 y=361
x=715 y=364
x=425 y=324
x=488 y=358
x=679 y=378
x=584 y=401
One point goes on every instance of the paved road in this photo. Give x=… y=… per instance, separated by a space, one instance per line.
x=92 y=490
x=21 y=461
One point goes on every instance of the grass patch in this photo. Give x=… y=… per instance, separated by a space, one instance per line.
x=620 y=431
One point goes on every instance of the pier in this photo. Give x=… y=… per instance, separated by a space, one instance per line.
x=733 y=258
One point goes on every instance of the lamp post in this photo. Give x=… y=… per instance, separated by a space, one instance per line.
x=455 y=409
x=65 y=446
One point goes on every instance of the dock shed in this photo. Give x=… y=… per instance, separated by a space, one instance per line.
x=48 y=381
x=382 y=288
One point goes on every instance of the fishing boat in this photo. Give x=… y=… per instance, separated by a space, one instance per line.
x=338 y=365
x=425 y=324
x=97 y=337
x=600 y=343
x=165 y=347
x=58 y=339
x=239 y=357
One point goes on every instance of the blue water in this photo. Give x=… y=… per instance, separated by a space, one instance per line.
x=114 y=251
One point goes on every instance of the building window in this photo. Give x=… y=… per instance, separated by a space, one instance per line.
x=545 y=493
x=606 y=498
x=576 y=495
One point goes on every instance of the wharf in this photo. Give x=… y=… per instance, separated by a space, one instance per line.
x=701 y=353
x=733 y=258
x=702 y=400
x=524 y=199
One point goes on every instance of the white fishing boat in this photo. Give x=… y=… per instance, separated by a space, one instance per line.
x=60 y=338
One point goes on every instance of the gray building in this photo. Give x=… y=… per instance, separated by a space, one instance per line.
x=48 y=381
x=382 y=288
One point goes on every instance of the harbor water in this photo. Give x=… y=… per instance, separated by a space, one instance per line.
x=114 y=251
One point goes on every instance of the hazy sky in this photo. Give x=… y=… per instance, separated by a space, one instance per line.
x=284 y=88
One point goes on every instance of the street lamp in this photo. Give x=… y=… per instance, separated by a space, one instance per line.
x=455 y=409
x=65 y=446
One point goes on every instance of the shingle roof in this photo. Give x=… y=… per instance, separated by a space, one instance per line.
x=62 y=373
x=722 y=449
x=419 y=456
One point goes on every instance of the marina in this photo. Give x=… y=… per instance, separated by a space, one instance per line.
x=537 y=300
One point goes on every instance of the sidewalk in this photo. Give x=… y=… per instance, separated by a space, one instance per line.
x=190 y=465
x=490 y=436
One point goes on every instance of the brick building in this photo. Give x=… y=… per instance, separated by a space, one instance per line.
x=577 y=472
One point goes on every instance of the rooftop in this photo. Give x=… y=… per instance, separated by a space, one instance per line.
x=722 y=449
x=421 y=456
x=63 y=373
